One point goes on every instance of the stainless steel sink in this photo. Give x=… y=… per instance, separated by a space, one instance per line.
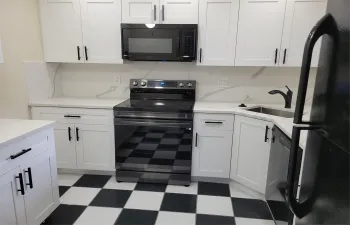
x=273 y=112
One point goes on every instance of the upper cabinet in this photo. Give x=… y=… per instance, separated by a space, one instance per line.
x=301 y=16
x=160 y=11
x=83 y=31
x=217 y=32
x=259 y=32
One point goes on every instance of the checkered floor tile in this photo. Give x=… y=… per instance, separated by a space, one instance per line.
x=97 y=199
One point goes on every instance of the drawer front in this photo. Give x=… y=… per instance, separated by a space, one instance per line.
x=23 y=150
x=74 y=115
x=214 y=121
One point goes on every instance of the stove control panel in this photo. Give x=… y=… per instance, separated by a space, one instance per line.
x=163 y=84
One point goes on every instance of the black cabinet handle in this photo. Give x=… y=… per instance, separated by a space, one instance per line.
x=200 y=55
x=266 y=132
x=155 y=12
x=69 y=134
x=276 y=53
x=284 y=56
x=29 y=171
x=213 y=122
x=20 y=153
x=72 y=116
x=20 y=177
x=196 y=141
x=77 y=133
x=163 y=13
x=78 y=50
x=86 y=54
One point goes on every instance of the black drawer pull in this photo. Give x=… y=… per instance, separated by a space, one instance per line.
x=86 y=54
x=72 y=116
x=276 y=53
x=196 y=141
x=20 y=177
x=266 y=132
x=284 y=56
x=20 y=153
x=69 y=134
x=78 y=50
x=29 y=171
x=77 y=133
x=213 y=122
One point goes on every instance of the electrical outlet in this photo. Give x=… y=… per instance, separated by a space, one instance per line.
x=222 y=83
x=117 y=79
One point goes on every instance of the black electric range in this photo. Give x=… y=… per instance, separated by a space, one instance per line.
x=153 y=132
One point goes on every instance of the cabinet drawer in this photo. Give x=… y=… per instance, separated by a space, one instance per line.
x=28 y=146
x=214 y=121
x=74 y=115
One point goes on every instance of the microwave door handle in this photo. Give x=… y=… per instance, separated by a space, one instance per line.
x=299 y=209
x=326 y=25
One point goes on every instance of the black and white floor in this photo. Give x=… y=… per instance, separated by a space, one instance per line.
x=96 y=199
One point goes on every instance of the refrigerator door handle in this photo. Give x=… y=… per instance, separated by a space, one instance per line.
x=326 y=25
x=300 y=209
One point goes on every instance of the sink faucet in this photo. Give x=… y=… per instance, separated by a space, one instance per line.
x=287 y=97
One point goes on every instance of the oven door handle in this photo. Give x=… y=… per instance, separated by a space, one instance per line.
x=140 y=122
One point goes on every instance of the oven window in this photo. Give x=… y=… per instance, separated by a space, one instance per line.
x=153 y=149
x=151 y=45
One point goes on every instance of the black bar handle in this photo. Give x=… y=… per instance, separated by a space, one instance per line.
x=20 y=153
x=86 y=54
x=29 y=171
x=20 y=177
x=326 y=25
x=284 y=56
x=299 y=209
x=155 y=12
x=200 y=55
x=163 y=13
x=78 y=50
x=72 y=116
x=69 y=134
x=196 y=141
x=77 y=133
x=276 y=53
x=213 y=122
x=266 y=133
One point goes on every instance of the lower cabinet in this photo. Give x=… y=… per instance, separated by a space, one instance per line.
x=65 y=146
x=251 y=152
x=211 y=153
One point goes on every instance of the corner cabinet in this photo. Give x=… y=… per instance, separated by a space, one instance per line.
x=160 y=11
x=217 y=32
x=251 y=152
x=75 y=31
x=212 y=145
x=28 y=181
x=84 y=138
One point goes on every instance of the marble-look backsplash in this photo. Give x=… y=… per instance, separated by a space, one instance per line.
x=224 y=84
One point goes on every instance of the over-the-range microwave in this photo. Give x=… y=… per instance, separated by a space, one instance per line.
x=159 y=42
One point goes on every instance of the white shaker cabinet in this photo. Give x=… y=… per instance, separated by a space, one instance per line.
x=259 y=32
x=140 y=11
x=212 y=143
x=217 y=32
x=251 y=152
x=65 y=146
x=301 y=16
x=179 y=11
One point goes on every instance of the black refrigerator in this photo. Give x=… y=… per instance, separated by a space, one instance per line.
x=324 y=176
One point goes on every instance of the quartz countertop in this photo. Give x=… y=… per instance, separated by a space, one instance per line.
x=13 y=129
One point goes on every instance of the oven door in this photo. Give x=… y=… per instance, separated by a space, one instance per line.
x=153 y=145
x=142 y=43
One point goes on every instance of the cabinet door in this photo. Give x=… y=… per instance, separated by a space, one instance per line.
x=101 y=34
x=42 y=198
x=301 y=16
x=11 y=201
x=65 y=146
x=212 y=153
x=217 y=32
x=250 y=152
x=95 y=147
x=259 y=32
x=140 y=11
x=179 y=11
x=61 y=30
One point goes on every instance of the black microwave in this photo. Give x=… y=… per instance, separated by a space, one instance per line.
x=159 y=42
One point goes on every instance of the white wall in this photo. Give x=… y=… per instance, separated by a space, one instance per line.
x=20 y=35
x=244 y=84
